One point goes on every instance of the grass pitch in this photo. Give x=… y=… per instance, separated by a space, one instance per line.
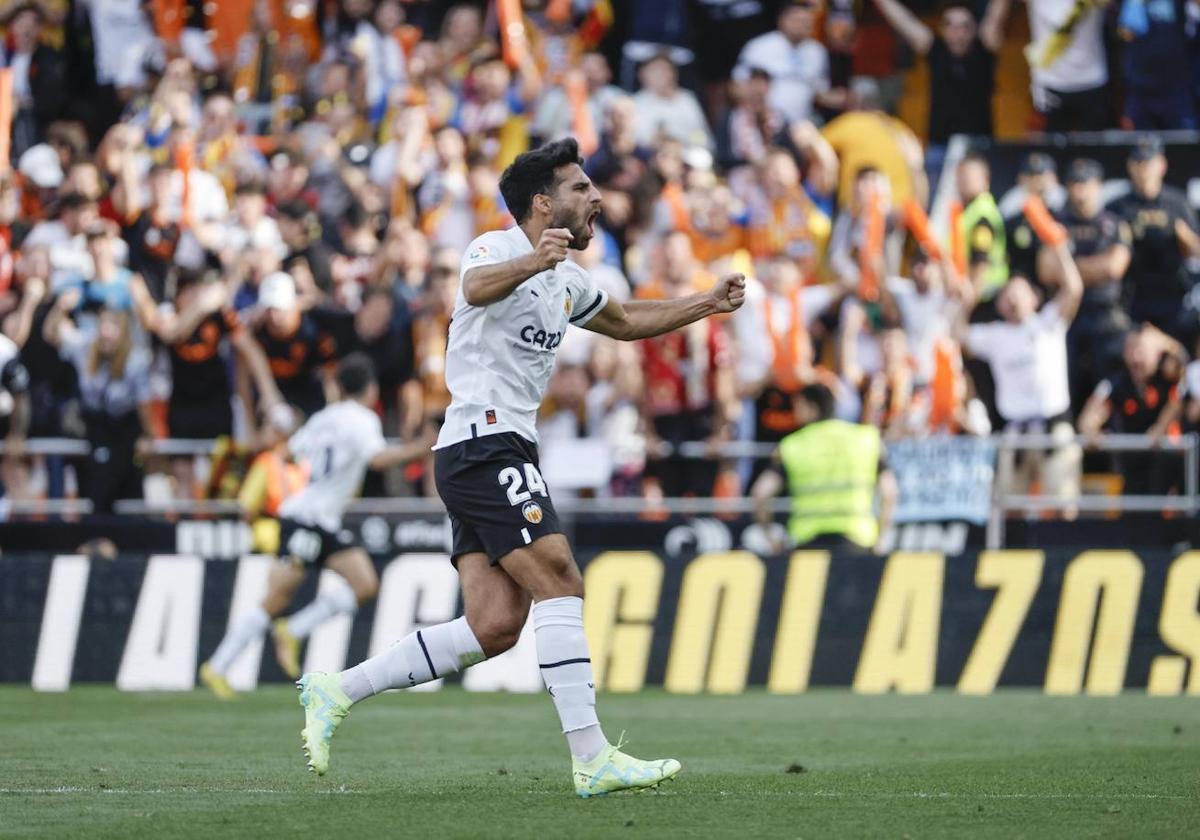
x=94 y=764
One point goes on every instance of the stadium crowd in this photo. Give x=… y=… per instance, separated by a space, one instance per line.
x=232 y=195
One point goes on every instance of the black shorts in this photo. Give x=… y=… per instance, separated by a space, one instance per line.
x=312 y=545
x=495 y=495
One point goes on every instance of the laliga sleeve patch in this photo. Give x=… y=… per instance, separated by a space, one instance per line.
x=478 y=254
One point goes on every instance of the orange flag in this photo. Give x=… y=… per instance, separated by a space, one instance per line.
x=958 y=243
x=917 y=223
x=183 y=162
x=581 y=115
x=874 y=230
x=6 y=118
x=1047 y=229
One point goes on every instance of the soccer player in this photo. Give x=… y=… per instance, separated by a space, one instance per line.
x=339 y=443
x=517 y=295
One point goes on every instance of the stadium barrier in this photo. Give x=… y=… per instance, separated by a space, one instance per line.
x=1067 y=621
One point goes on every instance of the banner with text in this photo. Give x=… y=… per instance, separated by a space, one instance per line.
x=943 y=479
x=719 y=620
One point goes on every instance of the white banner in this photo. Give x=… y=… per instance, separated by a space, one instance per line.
x=943 y=479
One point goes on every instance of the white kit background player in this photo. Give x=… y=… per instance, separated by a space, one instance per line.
x=339 y=443
x=517 y=296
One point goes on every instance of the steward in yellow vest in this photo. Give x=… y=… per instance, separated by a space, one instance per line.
x=832 y=471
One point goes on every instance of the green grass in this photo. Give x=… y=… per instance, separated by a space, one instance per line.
x=93 y=763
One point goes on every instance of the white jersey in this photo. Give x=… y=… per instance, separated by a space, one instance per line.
x=499 y=357
x=337 y=442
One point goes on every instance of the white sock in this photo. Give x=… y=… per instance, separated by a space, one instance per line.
x=327 y=604
x=567 y=671
x=421 y=656
x=249 y=627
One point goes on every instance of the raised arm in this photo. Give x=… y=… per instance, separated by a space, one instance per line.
x=645 y=318
x=397 y=454
x=991 y=28
x=1070 y=283
x=918 y=35
x=489 y=283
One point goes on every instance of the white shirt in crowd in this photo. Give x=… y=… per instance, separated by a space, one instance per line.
x=1028 y=362
x=799 y=72
x=678 y=117
x=499 y=357
x=925 y=318
x=755 y=352
x=1082 y=65
x=338 y=442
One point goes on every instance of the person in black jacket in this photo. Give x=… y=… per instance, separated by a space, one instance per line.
x=39 y=75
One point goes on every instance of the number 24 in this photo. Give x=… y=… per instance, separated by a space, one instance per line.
x=510 y=478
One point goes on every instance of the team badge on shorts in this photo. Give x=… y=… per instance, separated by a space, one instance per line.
x=532 y=512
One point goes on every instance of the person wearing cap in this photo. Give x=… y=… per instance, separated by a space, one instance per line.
x=1165 y=234
x=297 y=344
x=1100 y=244
x=796 y=61
x=1038 y=176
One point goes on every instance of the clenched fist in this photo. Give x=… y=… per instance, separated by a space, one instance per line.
x=551 y=248
x=729 y=293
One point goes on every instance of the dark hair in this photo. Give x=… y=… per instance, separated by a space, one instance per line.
x=532 y=173
x=819 y=397
x=975 y=156
x=958 y=4
x=355 y=374
x=865 y=172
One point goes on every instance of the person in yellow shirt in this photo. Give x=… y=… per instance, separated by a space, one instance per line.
x=867 y=138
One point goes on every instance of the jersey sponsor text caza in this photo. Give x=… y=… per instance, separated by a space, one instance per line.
x=499 y=357
x=338 y=443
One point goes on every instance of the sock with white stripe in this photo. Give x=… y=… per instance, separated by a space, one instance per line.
x=337 y=598
x=567 y=671
x=247 y=629
x=421 y=656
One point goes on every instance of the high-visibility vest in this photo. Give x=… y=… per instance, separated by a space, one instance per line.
x=831 y=468
x=984 y=209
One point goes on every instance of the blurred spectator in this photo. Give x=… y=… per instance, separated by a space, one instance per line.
x=722 y=27
x=849 y=231
x=1143 y=397
x=295 y=343
x=555 y=118
x=1165 y=233
x=1069 y=66
x=305 y=252
x=795 y=61
x=271 y=478
x=1038 y=177
x=1154 y=59
x=962 y=66
x=38 y=77
x=981 y=227
x=1027 y=353
x=665 y=110
x=1100 y=244
x=690 y=393
x=866 y=138
x=113 y=366
x=785 y=217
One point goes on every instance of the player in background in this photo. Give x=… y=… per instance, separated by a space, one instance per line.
x=339 y=443
x=517 y=295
